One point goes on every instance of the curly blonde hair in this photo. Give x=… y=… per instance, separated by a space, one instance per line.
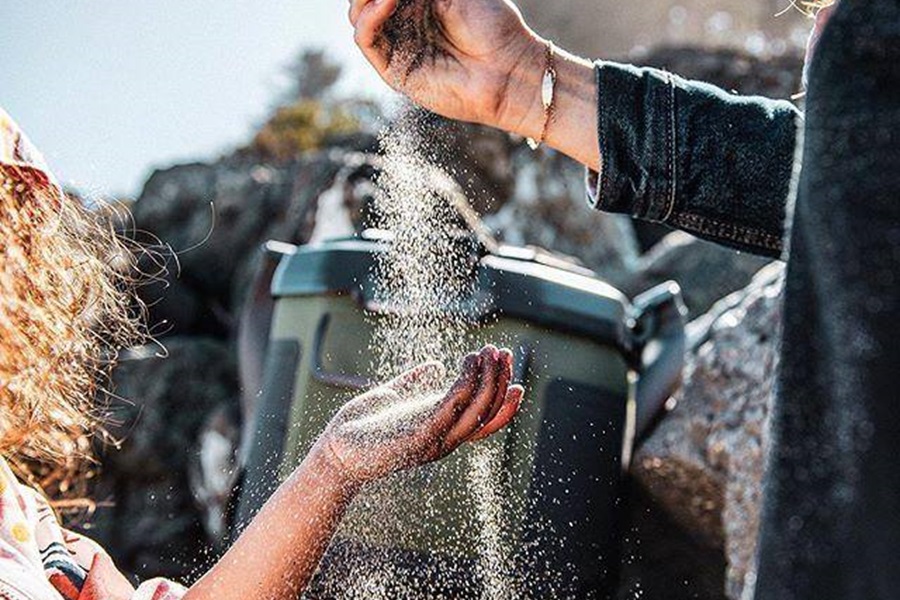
x=66 y=307
x=812 y=6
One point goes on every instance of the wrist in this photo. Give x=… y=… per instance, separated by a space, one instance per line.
x=322 y=468
x=519 y=109
x=572 y=126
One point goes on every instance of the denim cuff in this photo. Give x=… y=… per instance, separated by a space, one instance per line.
x=693 y=156
x=637 y=142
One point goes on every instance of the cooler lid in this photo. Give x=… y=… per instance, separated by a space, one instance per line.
x=512 y=283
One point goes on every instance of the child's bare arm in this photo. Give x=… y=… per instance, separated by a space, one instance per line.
x=393 y=427
x=278 y=552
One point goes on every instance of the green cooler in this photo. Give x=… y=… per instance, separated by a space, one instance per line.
x=597 y=369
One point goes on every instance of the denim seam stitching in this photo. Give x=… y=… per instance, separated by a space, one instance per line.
x=673 y=147
x=745 y=235
x=646 y=203
x=654 y=203
x=603 y=186
x=643 y=203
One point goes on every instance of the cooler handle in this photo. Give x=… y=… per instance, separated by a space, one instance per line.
x=659 y=326
x=348 y=381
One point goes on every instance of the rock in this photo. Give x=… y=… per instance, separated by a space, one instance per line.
x=154 y=527
x=479 y=158
x=662 y=559
x=213 y=469
x=704 y=464
x=338 y=174
x=730 y=69
x=706 y=272
x=208 y=222
x=548 y=209
x=207 y=218
x=176 y=308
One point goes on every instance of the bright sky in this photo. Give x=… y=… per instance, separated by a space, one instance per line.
x=109 y=89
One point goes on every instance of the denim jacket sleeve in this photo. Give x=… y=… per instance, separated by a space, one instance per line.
x=695 y=157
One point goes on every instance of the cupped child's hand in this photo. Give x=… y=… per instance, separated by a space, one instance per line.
x=454 y=57
x=406 y=423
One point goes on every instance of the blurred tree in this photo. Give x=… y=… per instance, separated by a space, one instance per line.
x=312 y=75
x=309 y=114
x=300 y=127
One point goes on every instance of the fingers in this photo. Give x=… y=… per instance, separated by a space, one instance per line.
x=425 y=377
x=504 y=416
x=480 y=403
x=368 y=17
x=458 y=398
x=506 y=374
x=481 y=408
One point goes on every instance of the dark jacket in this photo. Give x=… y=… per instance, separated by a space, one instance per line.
x=720 y=166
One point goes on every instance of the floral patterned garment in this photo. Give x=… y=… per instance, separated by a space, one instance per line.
x=39 y=560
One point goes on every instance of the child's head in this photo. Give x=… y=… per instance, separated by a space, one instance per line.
x=65 y=307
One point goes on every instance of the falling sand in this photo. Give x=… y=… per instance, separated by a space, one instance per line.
x=424 y=280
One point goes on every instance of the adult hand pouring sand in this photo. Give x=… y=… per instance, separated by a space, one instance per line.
x=477 y=61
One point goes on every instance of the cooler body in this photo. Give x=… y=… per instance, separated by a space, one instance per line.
x=552 y=478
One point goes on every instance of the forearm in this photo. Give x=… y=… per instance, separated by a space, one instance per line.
x=573 y=128
x=668 y=150
x=277 y=554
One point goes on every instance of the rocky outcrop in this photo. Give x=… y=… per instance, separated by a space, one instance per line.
x=704 y=464
x=148 y=517
x=706 y=272
x=733 y=70
x=664 y=559
x=548 y=209
x=207 y=223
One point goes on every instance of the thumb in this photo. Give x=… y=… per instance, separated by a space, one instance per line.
x=507 y=412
